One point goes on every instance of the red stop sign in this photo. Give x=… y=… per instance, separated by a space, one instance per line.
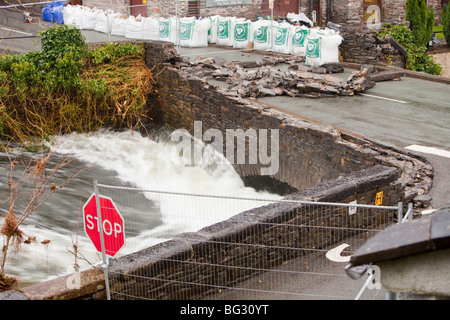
x=112 y=224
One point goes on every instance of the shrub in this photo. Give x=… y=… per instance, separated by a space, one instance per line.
x=421 y=20
x=417 y=59
x=446 y=22
x=65 y=87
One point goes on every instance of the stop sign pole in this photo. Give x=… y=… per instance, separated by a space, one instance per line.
x=102 y=241
x=105 y=227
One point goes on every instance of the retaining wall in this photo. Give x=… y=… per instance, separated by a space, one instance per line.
x=326 y=164
x=361 y=45
x=166 y=270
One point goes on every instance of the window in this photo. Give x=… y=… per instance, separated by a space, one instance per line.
x=193 y=8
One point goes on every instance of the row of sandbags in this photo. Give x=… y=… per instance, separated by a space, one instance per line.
x=320 y=46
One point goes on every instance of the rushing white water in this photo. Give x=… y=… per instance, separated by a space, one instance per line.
x=130 y=159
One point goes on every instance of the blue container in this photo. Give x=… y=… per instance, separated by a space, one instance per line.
x=52 y=12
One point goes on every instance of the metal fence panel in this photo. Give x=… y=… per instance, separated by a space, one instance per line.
x=297 y=250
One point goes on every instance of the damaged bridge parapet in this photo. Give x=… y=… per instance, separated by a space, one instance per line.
x=310 y=152
x=263 y=78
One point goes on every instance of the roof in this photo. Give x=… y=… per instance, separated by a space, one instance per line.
x=427 y=234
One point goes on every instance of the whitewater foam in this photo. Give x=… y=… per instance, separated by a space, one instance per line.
x=144 y=163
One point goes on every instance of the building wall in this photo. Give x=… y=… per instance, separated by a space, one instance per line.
x=351 y=12
x=242 y=11
x=347 y=12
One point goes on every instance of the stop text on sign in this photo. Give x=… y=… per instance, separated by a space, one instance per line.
x=107 y=225
x=112 y=225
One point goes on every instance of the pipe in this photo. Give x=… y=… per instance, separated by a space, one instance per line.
x=310 y=9
x=328 y=10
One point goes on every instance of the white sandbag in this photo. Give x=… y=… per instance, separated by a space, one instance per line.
x=313 y=51
x=283 y=34
x=330 y=48
x=101 y=24
x=150 y=28
x=89 y=18
x=78 y=13
x=119 y=26
x=72 y=14
x=69 y=14
x=224 y=31
x=167 y=29
x=200 y=35
x=300 y=18
x=186 y=26
x=212 y=32
x=105 y=20
x=134 y=28
x=261 y=34
x=193 y=32
x=241 y=33
x=318 y=32
x=328 y=41
x=299 y=41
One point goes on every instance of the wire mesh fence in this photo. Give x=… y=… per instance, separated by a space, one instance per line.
x=230 y=247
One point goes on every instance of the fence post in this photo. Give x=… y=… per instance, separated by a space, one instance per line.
x=400 y=212
x=102 y=242
x=410 y=210
x=107 y=24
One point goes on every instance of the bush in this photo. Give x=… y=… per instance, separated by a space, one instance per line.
x=417 y=59
x=446 y=22
x=421 y=20
x=65 y=87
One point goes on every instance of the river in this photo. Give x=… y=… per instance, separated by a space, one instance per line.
x=126 y=159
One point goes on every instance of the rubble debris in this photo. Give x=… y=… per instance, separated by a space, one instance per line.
x=263 y=78
x=397 y=45
x=386 y=75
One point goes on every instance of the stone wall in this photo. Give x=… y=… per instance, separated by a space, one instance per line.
x=351 y=12
x=250 y=11
x=361 y=45
x=115 y=5
x=213 y=256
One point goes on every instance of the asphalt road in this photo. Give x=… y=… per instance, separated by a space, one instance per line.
x=409 y=114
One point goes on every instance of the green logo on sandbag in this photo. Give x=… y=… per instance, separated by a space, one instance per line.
x=186 y=30
x=241 y=31
x=313 y=48
x=223 y=29
x=281 y=37
x=299 y=38
x=261 y=35
x=164 y=29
